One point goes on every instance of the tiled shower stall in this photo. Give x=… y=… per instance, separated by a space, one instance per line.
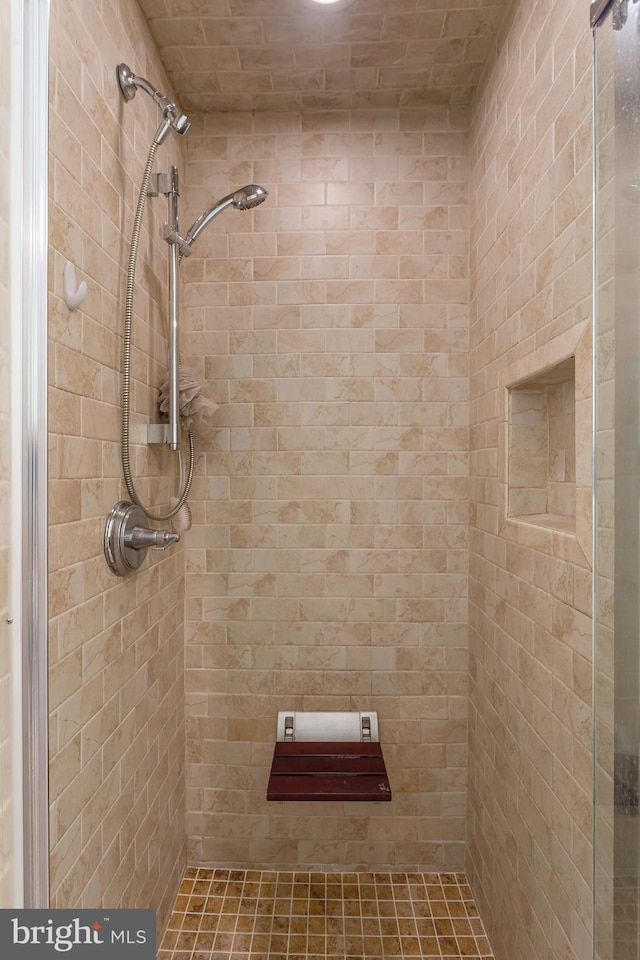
x=351 y=547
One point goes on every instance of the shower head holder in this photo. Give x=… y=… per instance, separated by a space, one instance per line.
x=173 y=117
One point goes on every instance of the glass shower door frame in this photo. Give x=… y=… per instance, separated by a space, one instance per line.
x=616 y=608
x=28 y=614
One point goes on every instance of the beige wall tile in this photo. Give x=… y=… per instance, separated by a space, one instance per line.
x=327 y=563
x=103 y=628
x=335 y=548
x=531 y=286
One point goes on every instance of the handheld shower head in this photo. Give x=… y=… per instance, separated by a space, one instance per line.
x=171 y=113
x=245 y=198
x=250 y=196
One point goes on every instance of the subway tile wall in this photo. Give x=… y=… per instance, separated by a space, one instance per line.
x=327 y=567
x=530 y=604
x=116 y=646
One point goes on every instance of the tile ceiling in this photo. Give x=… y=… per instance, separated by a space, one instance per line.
x=281 y=55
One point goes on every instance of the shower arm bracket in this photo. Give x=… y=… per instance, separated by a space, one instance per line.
x=173 y=237
x=160 y=183
x=167 y=184
x=157 y=433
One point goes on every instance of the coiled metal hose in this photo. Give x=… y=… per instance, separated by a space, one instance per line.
x=126 y=359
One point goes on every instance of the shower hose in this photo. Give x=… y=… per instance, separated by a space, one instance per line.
x=126 y=360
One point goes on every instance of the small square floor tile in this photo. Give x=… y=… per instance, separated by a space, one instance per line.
x=268 y=915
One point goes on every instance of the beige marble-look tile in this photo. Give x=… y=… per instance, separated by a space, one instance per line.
x=396 y=302
x=91 y=614
x=331 y=505
x=526 y=320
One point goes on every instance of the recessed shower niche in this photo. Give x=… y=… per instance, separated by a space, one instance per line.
x=542 y=448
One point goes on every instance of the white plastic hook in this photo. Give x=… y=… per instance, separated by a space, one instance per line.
x=74 y=293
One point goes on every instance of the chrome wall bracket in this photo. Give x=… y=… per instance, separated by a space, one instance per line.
x=126 y=81
x=338 y=726
x=160 y=183
x=127 y=537
x=158 y=433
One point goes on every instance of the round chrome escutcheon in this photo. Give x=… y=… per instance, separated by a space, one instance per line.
x=120 y=555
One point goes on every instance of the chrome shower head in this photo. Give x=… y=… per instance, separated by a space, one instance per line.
x=173 y=118
x=250 y=196
x=245 y=198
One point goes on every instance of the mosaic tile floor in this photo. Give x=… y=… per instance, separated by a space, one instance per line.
x=246 y=915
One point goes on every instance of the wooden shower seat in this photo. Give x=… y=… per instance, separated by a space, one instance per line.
x=328 y=770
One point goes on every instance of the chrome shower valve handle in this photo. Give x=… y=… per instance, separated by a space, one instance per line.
x=141 y=538
x=127 y=537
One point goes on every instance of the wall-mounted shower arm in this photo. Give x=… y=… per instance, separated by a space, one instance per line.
x=173 y=117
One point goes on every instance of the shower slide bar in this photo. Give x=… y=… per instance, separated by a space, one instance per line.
x=168 y=183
